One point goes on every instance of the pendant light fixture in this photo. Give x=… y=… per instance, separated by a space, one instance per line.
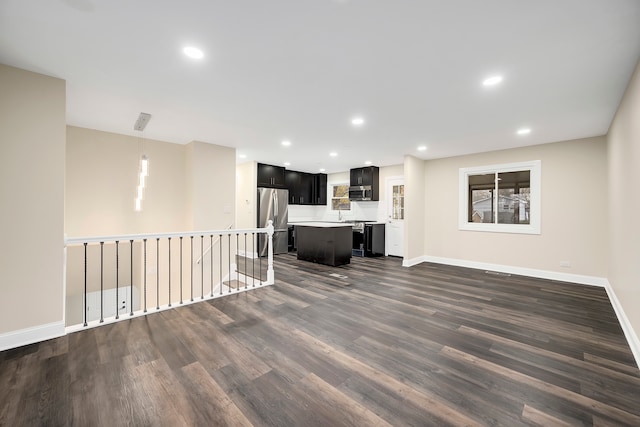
x=143 y=171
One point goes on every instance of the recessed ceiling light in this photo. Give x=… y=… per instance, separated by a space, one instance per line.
x=357 y=121
x=524 y=131
x=322 y=169
x=242 y=156
x=286 y=143
x=368 y=162
x=193 y=52
x=287 y=164
x=492 y=81
x=333 y=154
x=422 y=148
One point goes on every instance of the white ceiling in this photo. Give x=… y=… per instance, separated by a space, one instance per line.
x=300 y=69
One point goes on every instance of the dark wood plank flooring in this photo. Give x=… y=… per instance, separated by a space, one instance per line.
x=378 y=344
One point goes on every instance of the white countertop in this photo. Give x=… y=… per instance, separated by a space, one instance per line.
x=321 y=224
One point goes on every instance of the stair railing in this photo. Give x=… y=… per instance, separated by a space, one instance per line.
x=110 y=278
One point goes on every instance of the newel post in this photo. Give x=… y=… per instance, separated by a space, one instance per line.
x=270 y=275
x=64 y=281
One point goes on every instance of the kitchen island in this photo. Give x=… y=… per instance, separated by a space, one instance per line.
x=326 y=243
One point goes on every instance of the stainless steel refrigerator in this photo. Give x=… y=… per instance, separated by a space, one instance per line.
x=273 y=204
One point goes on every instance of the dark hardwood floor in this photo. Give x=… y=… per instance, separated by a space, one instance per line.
x=376 y=344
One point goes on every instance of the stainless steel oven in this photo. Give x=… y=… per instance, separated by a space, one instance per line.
x=358 y=239
x=368 y=239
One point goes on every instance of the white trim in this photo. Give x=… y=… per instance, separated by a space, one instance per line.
x=522 y=271
x=247 y=254
x=31 y=335
x=124 y=237
x=534 y=227
x=632 y=338
x=413 y=261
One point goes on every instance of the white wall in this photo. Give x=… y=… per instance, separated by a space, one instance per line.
x=246 y=195
x=211 y=176
x=624 y=205
x=101 y=180
x=415 y=222
x=32 y=139
x=211 y=205
x=189 y=187
x=574 y=211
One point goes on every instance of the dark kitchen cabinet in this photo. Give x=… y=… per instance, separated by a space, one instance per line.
x=355 y=177
x=365 y=176
x=364 y=184
x=320 y=189
x=324 y=245
x=292 y=180
x=374 y=239
x=271 y=176
x=299 y=185
x=306 y=188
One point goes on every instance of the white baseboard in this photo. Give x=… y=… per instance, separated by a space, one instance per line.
x=247 y=254
x=629 y=333
x=521 y=271
x=413 y=261
x=30 y=335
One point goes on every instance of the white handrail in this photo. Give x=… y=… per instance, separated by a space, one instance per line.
x=149 y=236
x=211 y=245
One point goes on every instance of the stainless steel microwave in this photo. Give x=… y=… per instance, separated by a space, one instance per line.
x=360 y=193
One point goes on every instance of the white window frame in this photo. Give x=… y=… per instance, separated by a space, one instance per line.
x=338 y=184
x=534 y=227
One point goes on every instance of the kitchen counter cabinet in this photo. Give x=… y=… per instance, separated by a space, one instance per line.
x=324 y=243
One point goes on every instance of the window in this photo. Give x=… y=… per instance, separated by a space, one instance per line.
x=502 y=198
x=340 y=200
x=398 y=202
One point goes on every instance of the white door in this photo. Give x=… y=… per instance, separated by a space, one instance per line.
x=395 y=216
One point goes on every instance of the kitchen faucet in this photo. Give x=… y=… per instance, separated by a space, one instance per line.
x=339 y=215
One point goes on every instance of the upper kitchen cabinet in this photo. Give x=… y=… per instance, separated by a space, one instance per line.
x=306 y=188
x=364 y=184
x=365 y=176
x=271 y=176
x=320 y=188
x=291 y=180
x=299 y=186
